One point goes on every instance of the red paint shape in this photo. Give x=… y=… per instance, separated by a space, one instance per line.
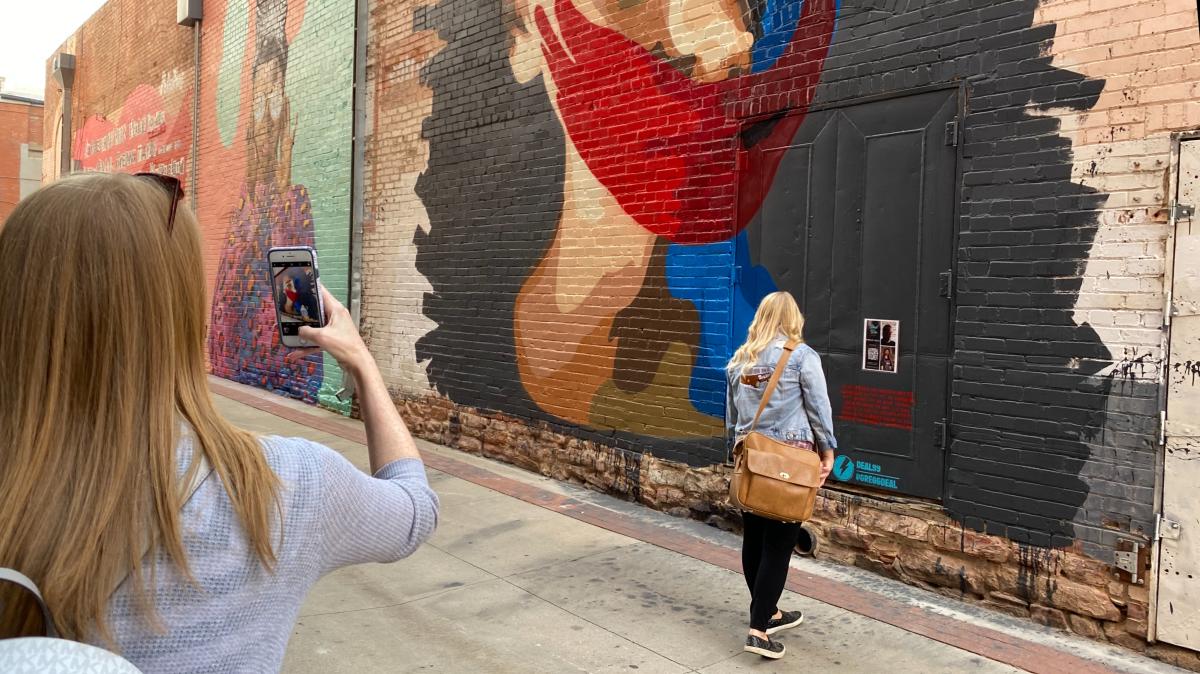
x=295 y=18
x=877 y=407
x=665 y=146
x=146 y=137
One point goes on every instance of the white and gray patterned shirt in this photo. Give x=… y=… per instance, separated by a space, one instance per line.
x=240 y=617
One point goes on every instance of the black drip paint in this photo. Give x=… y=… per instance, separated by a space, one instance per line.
x=1032 y=563
x=1189 y=370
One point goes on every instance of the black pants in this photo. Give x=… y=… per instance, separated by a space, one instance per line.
x=766 y=551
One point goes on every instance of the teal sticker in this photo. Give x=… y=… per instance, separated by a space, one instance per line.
x=843 y=468
x=863 y=472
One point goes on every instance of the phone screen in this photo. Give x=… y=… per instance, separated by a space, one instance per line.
x=297 y=296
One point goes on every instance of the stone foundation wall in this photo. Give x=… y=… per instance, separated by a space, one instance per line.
x=914 y=542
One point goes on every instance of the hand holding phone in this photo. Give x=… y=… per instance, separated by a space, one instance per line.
x=339 y=337
x=294 y=286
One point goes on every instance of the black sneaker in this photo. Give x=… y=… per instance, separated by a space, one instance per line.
x=787 y=621
x=768 y=648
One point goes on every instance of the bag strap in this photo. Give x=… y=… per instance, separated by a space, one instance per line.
x=783 y=359
x=21 y=580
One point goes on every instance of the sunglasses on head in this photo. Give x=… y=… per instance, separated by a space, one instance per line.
x=173 y=186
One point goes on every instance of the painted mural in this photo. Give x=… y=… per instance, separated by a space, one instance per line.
x=595 y=221
x=626 y=338
x=279 y=107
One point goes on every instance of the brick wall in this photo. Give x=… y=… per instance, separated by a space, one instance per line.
x=20 y=126
x=549 y=310
x=131 y=101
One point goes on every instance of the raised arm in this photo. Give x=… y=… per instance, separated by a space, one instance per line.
x=384 y=516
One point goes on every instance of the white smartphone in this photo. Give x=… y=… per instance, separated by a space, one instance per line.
x=297 y=296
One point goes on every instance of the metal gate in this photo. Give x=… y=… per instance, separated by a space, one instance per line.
x=858 y=224
x=1178 y=603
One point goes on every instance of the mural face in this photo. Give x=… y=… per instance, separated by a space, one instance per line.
x=260 y=104
x=615 y=325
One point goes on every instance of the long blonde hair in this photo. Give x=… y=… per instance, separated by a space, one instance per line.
x=102 y=340
x=777 y=316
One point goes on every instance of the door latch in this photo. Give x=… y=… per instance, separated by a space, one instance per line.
x=952 y=133
x=1181 y=211
x=946 y=284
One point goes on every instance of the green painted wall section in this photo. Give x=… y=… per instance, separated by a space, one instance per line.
x=320 y=86
x=229 y=73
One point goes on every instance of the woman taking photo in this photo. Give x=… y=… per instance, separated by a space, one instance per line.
x=797 y=413
x=154 y=527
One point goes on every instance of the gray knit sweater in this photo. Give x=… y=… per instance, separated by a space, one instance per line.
x=240 y=618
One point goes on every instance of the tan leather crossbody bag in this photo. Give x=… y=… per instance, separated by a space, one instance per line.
x=771 y=478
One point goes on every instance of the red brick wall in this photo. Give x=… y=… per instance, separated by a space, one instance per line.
x=131 y=105
x=20 y=123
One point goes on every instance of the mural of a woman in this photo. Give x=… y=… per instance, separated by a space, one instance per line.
x=271 y=211
x=618 y=326
x=579 y=278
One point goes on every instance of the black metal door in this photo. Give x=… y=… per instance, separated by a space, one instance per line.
x=858 y=223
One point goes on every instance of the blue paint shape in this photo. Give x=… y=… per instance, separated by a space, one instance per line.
x=700 y=274
x=754 y=283
x=777 y=26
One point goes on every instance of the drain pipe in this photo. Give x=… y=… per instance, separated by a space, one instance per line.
x=64 y=74
x=195 y=151
x=809 y=543
x=358 y=168
x=190 y=13
x=358 y=157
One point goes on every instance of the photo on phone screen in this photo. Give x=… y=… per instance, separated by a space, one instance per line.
x=297 y=295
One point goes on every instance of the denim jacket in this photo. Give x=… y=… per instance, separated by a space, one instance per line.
x=798 y=411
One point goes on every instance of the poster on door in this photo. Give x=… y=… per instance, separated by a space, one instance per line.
x=881 y=345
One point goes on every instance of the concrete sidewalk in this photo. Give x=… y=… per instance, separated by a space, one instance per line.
x=529 y=575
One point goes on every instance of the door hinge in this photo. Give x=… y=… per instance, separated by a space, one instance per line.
x=946 y=284
x=952 y=133
x=1129 y=561
x=1169 y=310
x=1165 y=529
x=1180 y=211
x=1162 y=428
x=941 y=435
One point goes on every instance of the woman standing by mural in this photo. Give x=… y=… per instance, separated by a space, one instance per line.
x=271 y=211
x=799 y=414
